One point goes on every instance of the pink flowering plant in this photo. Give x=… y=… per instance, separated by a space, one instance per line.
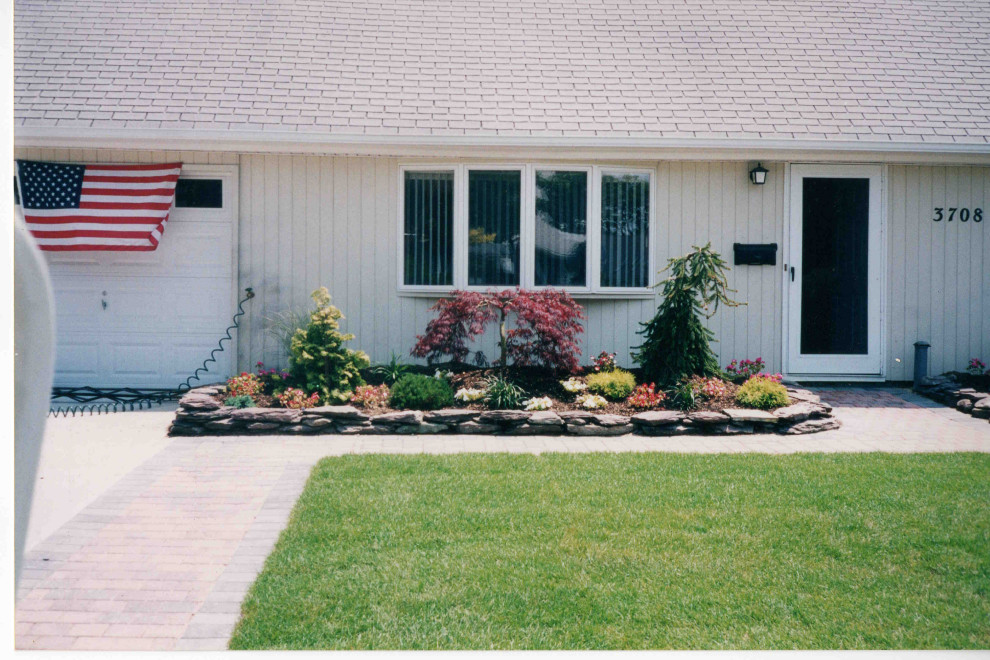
x=745 y=369
x=712 y=388
x=605 y=362
x=247 y=384
x=371 y=396
x=646 y=396
x=293 y=397
x=976 y=367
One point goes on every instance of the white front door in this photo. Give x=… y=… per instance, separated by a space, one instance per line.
x=833 y=275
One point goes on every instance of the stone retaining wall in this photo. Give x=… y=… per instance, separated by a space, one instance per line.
x=200 y=413
x=946 y=389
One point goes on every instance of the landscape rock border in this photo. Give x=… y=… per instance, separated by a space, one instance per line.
x=199 y=413
x=948 y=390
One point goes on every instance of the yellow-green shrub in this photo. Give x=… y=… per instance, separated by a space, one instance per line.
x=613 y=385
x=762 y=393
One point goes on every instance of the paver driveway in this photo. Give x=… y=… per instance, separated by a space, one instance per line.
x=163 y=559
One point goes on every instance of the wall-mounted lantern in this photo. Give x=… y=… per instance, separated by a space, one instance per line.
x=758 y=175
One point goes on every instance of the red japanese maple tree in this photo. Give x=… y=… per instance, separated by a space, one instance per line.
x=546 y=325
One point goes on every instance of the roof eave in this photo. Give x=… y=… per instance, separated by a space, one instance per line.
x=541 y=146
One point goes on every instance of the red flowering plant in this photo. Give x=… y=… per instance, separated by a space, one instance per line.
x=247 y=384
x=976 y=367
x=604 y=362
x=646 y=396
x=294 y=397
x=544 y=327
x=742 y=370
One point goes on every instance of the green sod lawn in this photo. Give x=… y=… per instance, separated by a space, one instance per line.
x=630 y=551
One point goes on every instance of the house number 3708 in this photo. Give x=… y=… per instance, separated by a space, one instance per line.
x=962 y=215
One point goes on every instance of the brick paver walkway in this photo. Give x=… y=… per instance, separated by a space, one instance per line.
x=164 y=558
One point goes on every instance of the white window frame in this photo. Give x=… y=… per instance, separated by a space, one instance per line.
x=527 y=224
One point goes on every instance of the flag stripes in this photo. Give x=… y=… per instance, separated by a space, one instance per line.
x=112 y=207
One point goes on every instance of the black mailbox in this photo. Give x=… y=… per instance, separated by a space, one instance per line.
x=755 y=254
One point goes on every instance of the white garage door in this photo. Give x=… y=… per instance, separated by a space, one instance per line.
x=149 y=319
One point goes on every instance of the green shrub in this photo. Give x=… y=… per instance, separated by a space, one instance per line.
x=242 y=401
x=613 y=385
x=503 y=394
x=763 y=394
x=676 y=344
x=419 y=392
x=320 y=363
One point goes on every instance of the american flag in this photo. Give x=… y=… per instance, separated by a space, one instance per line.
x=96 y=207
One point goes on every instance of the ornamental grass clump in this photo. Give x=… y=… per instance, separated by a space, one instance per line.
x=614 y=385
x=320 y=363
x=503 y=394
x=762 y=393
x=419 y=392
x=676 y=344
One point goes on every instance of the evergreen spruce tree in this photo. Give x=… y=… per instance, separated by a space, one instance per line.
x=676 y=344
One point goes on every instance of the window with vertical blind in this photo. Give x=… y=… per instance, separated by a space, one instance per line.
x=429 y=228
x=494 y=224
x=585 y=229
x=625 y=228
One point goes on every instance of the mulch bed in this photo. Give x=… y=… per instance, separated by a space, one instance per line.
x=535 y=382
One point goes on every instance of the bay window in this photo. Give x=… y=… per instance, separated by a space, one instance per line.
x=583 y=229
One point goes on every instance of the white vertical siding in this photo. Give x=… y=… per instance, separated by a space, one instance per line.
x=307 y=221
x=938 y=273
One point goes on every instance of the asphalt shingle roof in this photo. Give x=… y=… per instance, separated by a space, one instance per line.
x=847 y=70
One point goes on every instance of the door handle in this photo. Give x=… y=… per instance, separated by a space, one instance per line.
x=792 y=273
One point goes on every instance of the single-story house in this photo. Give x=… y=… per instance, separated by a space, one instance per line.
x=396 y=150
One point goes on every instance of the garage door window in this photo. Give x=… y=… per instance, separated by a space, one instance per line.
x=199 y=193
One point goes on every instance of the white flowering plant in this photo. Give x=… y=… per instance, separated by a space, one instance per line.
x=573 y=385
x=469 y=395
x=443 y=375
x=538 y=403
x=592 y=401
